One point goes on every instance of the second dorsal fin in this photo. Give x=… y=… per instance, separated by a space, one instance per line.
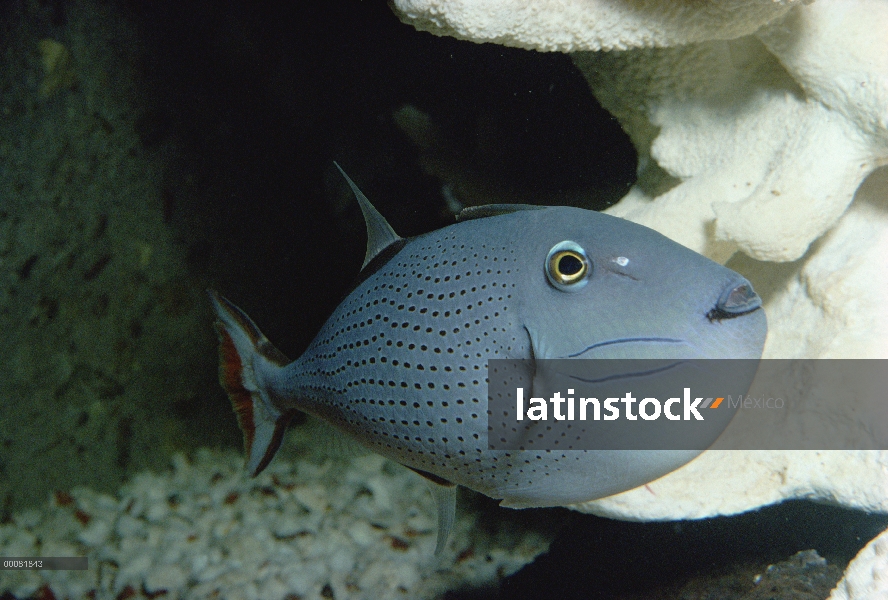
x=380 y=234
x=491 y=210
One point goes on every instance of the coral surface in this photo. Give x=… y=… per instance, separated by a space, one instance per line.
x=867 y=575
x=589 y=24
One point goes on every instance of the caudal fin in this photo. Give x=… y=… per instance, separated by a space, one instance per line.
x=246 y=361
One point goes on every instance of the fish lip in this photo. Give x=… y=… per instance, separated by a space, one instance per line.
x=737 y=300
x=718 y=315
x=663 y=340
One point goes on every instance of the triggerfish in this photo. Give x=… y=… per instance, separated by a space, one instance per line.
x=401 y=363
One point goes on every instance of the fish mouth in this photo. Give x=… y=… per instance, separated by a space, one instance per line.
x=630 y=340
x=718 y=315
x=737 y=300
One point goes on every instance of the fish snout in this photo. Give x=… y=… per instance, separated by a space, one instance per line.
x=738 y=299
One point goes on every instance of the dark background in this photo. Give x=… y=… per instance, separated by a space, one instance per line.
x=265 y=98
x=259 y=100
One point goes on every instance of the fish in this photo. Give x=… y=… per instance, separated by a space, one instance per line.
x=400 y=365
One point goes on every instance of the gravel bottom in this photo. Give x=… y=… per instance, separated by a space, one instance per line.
x=338 y=528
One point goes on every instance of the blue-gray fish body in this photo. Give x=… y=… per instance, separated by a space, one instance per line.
x=401 y=364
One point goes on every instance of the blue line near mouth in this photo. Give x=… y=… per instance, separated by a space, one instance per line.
x=628 y=375
x=625 y=341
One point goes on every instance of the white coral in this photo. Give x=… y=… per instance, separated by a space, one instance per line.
x=570 y=25
x=867 y=575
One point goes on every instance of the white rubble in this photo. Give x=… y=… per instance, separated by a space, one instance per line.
x=299 y=529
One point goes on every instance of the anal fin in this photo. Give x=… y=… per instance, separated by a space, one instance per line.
x=444 y=493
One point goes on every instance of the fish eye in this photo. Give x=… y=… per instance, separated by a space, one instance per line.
x=567 y=266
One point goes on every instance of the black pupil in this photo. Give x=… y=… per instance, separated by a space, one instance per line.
x=569 y=265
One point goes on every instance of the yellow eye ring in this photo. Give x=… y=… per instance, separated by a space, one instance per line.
x=567 y=266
